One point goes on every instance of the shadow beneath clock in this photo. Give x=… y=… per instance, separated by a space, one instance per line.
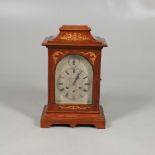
x=27 y=100
x=77 y=126
x=118 y=105
x=60 y=125
x=85 y=126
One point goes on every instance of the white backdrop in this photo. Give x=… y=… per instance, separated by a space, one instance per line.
x=128 y=73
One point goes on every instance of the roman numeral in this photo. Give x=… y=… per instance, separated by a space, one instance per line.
x=60 y=83
x=62 y=89
x=85 y=77
x=85 y=90
x=74 y=61
x=73 y=70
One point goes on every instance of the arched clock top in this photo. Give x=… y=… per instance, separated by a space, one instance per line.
x=73 y=80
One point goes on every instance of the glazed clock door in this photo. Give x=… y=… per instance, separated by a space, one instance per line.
x=73 y=80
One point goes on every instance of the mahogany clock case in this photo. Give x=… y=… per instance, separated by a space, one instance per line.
x=74 y=40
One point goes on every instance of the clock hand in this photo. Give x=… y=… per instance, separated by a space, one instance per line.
x=76 y=78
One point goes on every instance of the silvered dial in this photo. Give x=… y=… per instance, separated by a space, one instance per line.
x=73 y=83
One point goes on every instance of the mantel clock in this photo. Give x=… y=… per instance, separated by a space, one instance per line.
x=74 y=62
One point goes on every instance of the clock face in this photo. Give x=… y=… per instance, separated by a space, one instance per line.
x=73 y=81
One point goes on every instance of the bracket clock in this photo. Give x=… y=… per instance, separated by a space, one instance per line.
x=74 y=62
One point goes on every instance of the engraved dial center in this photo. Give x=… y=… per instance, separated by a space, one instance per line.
x=73 y=83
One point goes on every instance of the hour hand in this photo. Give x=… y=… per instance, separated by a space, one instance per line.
x=76 y=78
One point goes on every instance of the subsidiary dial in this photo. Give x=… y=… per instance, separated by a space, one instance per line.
x=73 y=61
x=73 y=83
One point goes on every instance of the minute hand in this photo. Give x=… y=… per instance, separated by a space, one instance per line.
x=77 y=77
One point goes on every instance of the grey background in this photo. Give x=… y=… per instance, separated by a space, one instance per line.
x=128 y=72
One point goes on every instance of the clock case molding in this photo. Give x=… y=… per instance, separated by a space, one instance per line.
x=74 y=40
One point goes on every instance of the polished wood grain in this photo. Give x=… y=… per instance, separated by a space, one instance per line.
x=73 y=40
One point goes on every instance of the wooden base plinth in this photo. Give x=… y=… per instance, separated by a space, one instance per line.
x=72 y=119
